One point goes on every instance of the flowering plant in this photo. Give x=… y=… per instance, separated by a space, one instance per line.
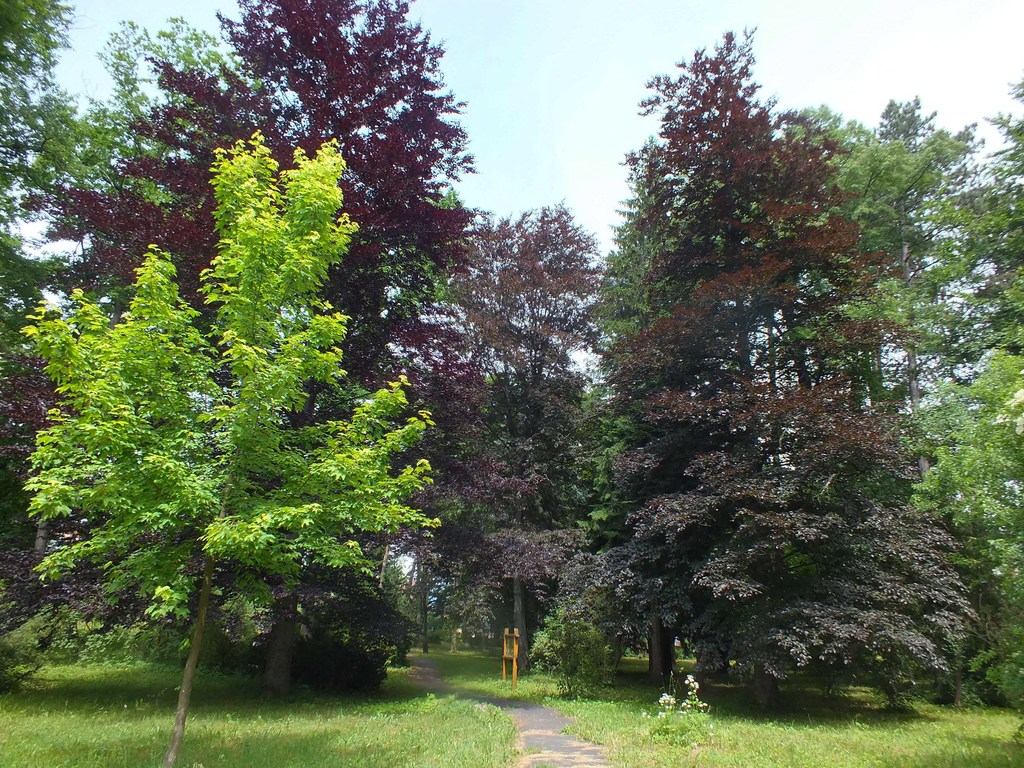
x=682 y=717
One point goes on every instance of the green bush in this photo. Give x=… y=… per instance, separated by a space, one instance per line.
x=575 y=652
x=63 y=636
x=19 y=658
x=16 y=666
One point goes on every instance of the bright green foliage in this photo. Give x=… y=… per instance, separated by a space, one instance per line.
x=574 y=651
x=170 y=441
x=979 y=477
x=907 y=181
x=979 y=481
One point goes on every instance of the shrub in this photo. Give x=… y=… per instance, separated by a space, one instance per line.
x=18 y=661
x=575 y=652
x=351 y=636
x=66 y=637
x=326 y=664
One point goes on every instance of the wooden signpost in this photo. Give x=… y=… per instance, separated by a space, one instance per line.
x=510 y=652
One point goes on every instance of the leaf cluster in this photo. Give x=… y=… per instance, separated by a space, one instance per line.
x=170 y=441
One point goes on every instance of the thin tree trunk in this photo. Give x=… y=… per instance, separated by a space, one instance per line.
x=455 y=640
x=617 y=648
x=913 y=366
x=803 y=374
x=773 y=386
x=277 y=675
x=384 y=565
x=519 y=619
x=421 y=577
x=42 y=537
x=190 y=666
x=766 y=687
x=958 y=680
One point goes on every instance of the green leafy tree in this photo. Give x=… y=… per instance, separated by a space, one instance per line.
x=907 y=179
x=37 y=141
x=994 y=244
x=35 y=116
x=175 y=444
x=978 y=481
x=975 y=428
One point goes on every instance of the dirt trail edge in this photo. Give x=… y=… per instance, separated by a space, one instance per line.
x=541 y=740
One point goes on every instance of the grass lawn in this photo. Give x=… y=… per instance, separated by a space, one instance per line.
x=809 y=730
x=114 y=717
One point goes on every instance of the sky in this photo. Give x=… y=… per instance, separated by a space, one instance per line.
x=552 y=88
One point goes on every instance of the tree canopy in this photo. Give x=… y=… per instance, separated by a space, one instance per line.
x=173 y=443
x=779 y=423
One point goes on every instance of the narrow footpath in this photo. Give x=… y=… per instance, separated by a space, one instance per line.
x=541 y=740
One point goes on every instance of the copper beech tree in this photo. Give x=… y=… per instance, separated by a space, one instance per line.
x=526 y=301
x=302 y=72
x=770 y=520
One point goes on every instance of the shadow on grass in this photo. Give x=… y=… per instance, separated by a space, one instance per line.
x=148 y=687
x=854 y=727
x=800 y=699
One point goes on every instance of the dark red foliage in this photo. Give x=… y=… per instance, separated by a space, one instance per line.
x=310 y=71
x=772 y=491
x=26 y=395
x=82 y=591
x=527 y=299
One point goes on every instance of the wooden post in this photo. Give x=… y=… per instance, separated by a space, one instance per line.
x=510 y=652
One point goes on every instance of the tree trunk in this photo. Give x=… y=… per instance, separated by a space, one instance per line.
x=803 y=373
x=455 y=640
x=660 y=653
x=519 y=619
x=277 y=675
x=421 y=577
x=384 y=565
x=766 y=687
x=913 y=366
x=42 y=537
x=190 y=666
x=958 y=681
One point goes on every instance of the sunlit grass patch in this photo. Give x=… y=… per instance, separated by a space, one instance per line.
x=807 y=730
x=78 y=717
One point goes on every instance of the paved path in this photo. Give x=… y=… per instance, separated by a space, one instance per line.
x=540 y=728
